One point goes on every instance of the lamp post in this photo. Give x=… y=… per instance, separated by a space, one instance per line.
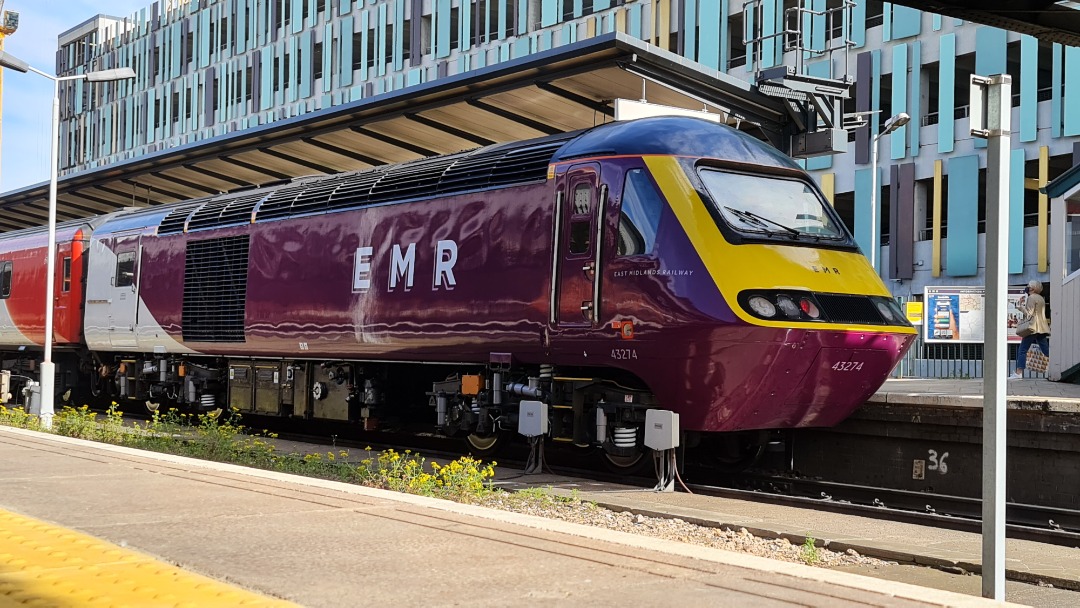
x=891 y=125
x=48 y=369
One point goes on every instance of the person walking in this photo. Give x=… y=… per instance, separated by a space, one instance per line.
x=1033 y=306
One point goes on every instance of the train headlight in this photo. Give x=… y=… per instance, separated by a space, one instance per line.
x=809 y=308
x=761 y=307
x=886 y=311
x=788 y=306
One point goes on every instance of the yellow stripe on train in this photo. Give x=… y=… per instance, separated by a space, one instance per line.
x=737 y=267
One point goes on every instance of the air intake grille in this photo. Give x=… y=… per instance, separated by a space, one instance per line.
x=849 y=309
x=215 y=289
x=173 y=223
x=229 y=211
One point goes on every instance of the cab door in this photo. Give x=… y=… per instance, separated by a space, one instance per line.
x=124 y=308
x=65 y=310
x=578 y=248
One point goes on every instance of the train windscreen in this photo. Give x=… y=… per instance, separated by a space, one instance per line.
x=771 y=206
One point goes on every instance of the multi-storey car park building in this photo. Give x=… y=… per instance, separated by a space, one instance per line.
x=208 y=67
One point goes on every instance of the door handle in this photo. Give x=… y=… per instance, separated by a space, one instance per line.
x=587 y=310
x=589 y=269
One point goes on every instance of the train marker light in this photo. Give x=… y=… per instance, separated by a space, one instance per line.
x=809 y=308
x=762 y=307
x=788 y=306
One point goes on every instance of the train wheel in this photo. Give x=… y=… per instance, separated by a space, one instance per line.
x=735 y=451
x=487 y=445
x=625 y=465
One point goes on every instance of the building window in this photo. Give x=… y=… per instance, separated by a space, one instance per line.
x=5 y=280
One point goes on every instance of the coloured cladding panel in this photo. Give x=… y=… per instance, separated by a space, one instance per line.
x=962 y=243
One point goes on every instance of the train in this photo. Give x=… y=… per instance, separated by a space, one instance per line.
x=662 y=263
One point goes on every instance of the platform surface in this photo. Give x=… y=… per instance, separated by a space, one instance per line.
x=322 y=543
x=1029 y=392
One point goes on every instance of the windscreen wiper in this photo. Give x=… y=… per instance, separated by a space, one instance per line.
x=752 y=218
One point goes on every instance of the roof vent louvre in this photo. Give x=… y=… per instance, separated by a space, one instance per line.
x=226 y=211
x=174 y=222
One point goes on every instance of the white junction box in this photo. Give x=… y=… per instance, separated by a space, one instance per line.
x=5 y=386
x=661 y=430
x=533 y=418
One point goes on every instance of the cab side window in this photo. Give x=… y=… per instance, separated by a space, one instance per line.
x=640 y=214
x=581 y=218
x=5 y=280
x=125 y=269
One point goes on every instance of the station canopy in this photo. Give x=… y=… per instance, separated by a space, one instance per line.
x=564 y=89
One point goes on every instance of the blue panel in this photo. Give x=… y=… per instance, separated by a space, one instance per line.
x=174 y=62
x=521 y=47
x=297 y=19
x=150 y=116
x=1055 y=92
x=906 y=22
x=633 y=20
x=241 y=26
x=862 y=209
x=399 y=42
x=293 y=70
x=771 y=12
x=1029 y=88
x=345 y=8
x=442 y=28
x=327 y=58
x=886 y=21
x=549 y=12
x=898 y=139
x=523 y=17
x=601 y=5
x=465 y=19
x=203 y=35
x=821 y=69
x=365 y=33
x=266 y=79
x=568 y=35
x=946 y=88
x=1072 y=90
x=543 y=40
x=503 y=25
x=380 y=39
x=937 y=22
x=962 y=244
x=815 y=24
x=689 y=29
x=916 y=98
x=856 y=28
x=709 y=20
x=990 y=48
x=1016 y=212
x=345 y=65
x=414 y=76
x=307 y=49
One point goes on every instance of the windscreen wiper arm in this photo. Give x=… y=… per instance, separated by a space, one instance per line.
x=753 y=218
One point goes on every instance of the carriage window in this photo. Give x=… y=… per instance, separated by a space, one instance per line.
x=640 y=215
x=65 y=286
x=5 y=279
x=125 y=269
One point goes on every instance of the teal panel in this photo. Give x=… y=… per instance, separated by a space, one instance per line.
x=751 y=48
x=855 y=25
x=523 y=17
x=108 y=134
x=898 y=139
x=568 y=35
x=862 y=208
x=465 y=19
x=771 y=14
x=441 y=29
x=365 y=33
x=724 y=39
x=915 y=83
x=937 y=22
x=991 y=45
x=414 y=76
x=817 y=25
x=241 y=26
x=543 y=40
x=1016 y=212
x=601 y=5
x=579 y=7
x=633 y=20
x=399 y=42
x=503 y=25
x=345 y=8
x=906 y=22
x=1055 y=91
x=307 y=50
x=875 y=90
x=821 y=69
x=266 y=79
x=946 y=88
x=709 y=21
x=203 y=36
x=962 y=244
x=689 y=29
x=521 y=47
x=151 y=117
x=1029 y=88
x=1072 y=90
x=292 y=72
x=297 y=19
x=174 y=56
x=549 y=12
x=346 y=64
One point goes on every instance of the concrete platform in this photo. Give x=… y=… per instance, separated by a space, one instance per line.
x=1025 y=393
x=322 y=543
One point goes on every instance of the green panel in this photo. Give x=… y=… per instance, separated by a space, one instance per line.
x=898 y=139
x=1072 y=90
x=946 y=89
x=1016 y=212
x=1029 y=88
x=962 y=244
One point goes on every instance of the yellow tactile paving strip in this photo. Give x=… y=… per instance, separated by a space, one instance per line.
x=45 y=565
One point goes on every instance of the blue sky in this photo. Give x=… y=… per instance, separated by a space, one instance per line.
x=24 y=156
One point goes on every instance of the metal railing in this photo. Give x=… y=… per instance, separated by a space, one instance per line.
x=944 y=360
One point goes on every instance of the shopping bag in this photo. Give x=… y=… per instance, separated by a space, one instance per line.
x=1037 y=362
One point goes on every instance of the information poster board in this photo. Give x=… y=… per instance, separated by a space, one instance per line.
x=958 y=314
